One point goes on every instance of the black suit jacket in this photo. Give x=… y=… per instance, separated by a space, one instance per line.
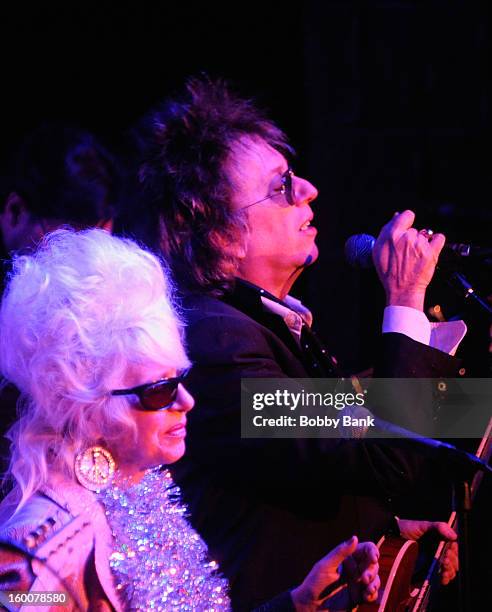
x=269 y=509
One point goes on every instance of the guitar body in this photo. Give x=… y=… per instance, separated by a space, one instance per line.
x=396 y=566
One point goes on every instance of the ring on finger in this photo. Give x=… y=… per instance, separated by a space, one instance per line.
x=428 y=233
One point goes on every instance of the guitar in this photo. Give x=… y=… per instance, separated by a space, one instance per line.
x=45 y=568
x=398 y=557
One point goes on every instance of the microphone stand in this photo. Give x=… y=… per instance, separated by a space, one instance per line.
x=459 y=282
x=466 y=464
x=462 y=505
x=462 y=494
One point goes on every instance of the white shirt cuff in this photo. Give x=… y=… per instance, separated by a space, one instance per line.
x=408 y=321
x=447 y=336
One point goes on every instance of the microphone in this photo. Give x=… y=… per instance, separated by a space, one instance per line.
x=381 y=428
x=358 y=251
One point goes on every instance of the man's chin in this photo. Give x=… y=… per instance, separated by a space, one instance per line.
x=308 y=261
x=312 y=257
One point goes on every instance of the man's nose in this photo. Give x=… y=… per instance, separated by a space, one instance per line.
x=305 y=191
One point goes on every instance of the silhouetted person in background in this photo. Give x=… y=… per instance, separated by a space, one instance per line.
x=59 y=175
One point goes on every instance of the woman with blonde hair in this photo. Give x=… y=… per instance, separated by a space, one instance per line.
x=90 y=335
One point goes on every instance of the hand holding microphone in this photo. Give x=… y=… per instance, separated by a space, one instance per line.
x=405 y=260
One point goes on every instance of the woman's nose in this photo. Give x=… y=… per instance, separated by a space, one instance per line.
x=184 y=401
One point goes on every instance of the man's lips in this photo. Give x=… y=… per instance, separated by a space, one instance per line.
x=306 y=226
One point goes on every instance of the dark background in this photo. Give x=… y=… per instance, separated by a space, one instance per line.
x=388 y=104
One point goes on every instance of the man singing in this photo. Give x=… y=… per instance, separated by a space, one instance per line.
x=237 y=227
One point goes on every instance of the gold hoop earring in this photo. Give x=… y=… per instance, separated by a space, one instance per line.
x=94 y=468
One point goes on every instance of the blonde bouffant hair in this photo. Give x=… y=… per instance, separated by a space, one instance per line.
x=76 y=315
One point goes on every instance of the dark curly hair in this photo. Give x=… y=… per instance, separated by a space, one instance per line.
x=185 y=180
x=63 y=172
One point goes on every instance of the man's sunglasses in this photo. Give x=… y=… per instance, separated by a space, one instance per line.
x=286 y=190
x=158 y=395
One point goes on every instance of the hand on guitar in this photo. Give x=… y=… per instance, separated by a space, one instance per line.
x=414 y=530
x=346 y=576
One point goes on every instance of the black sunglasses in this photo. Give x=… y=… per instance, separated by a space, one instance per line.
x=158 y=395
x=286 y=189
x=287 y=186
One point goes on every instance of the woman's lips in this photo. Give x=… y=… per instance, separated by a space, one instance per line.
x=178 y=431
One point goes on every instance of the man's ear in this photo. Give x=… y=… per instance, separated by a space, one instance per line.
x=15 y=210
x=17 y=224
